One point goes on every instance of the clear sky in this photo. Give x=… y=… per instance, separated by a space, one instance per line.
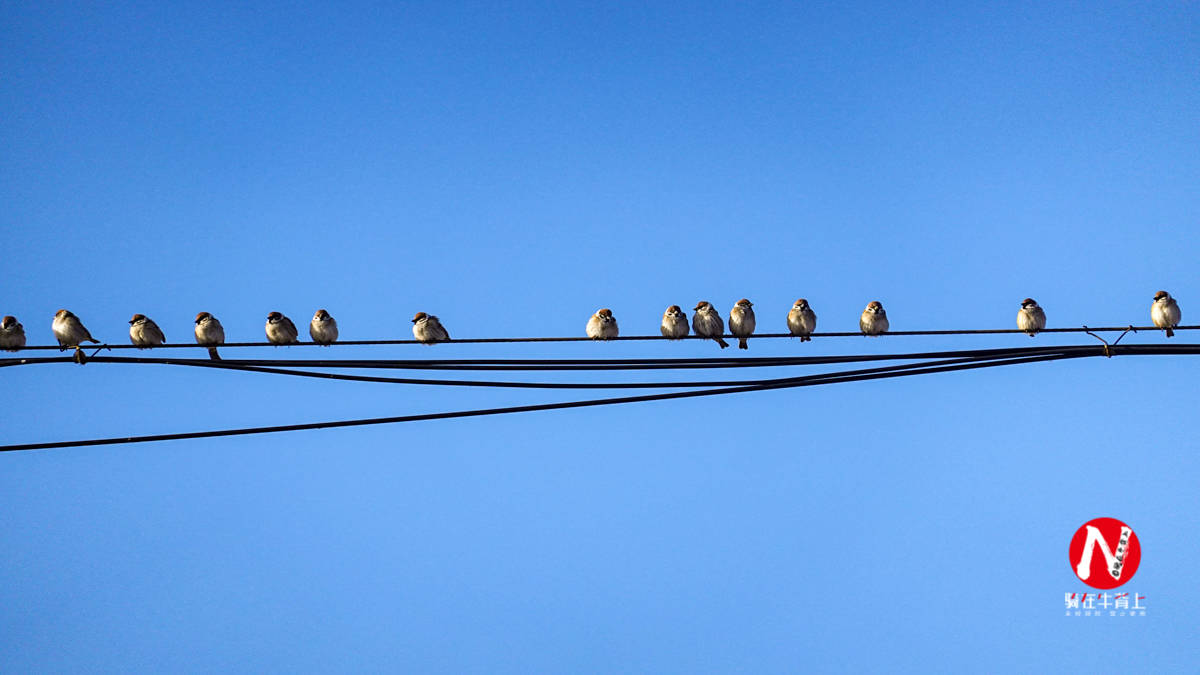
x=512 y=168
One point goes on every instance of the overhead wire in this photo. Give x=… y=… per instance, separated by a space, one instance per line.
x=554 y=364
x=904 y=370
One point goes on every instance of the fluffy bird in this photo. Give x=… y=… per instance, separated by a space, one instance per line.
x=428 y=329
x=1030 y=318
x=69 y=330
x=323 y=328
x=209 y=333
x=1164 y=312
x=144 y=333
x=602 y=325
x=281 y=330
x=874 y=320
x=741 y=321
x=12 y=334
x=801 y=320
x=674 y=323
x=707 y=322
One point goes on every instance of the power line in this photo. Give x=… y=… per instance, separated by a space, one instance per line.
x=228 y=365
x=577 y=364
x=547 y=364
x=272 y=367
x=810 y=380
x=351 y=343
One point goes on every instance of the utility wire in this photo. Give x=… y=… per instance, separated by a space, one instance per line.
x=811 y=380
x=562 y=364
x=228 y=365
x=993 y=331
x=255 y=367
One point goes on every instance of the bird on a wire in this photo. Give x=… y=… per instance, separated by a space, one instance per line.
x=281 y=330
x=674 y=323
x=209 y=333
x=707 y=322
x=428 y=329
x=741 y=321
x=323 y=328
x=602 y=325
x=1165 y=312
x=1030 y=318
x=874 y=321
x=144 y=333
x=801 y=320
x=12 y=334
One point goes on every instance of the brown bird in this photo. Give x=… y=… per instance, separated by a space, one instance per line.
x=741 y=321
x=707 y=322
x=144 y=333
x=12 y=334
x=209 y=333
x=428 y=329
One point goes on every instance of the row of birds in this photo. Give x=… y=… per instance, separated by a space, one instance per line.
x=706 y=322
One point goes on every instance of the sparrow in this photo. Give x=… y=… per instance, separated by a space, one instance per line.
x=1164 y=312
x=741 y=321
x=323 y=328
x=707 y=322
x=602 y=325
x=674 y=323
x=873 y=320
x=801 y=320
x=1030 y=318
x=428 y=329
x=144 y=333
x=69 y=330
x=12 y=334
x=281 y=330
x=209 y=333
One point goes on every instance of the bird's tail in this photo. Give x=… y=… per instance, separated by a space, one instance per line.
x=212 y=354
x=721 y=341
x=742 y=343
x=1170 y=333
x=93 y=340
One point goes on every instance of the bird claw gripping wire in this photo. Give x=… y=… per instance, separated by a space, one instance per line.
x=1108 y=347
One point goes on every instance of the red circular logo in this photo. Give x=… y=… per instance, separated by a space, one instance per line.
x=1104 y=553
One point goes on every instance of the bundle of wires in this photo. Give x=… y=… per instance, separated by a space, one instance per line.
x=903 y=365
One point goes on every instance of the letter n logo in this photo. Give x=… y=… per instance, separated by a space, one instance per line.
x=1104 y=553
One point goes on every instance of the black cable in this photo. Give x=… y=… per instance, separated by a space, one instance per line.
x=898 y=333
x=230 y=365
x=813 y=380
x=560 y=364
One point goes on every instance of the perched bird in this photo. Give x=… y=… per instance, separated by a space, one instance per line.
x=602 y=325
x=674 y=323
x=1164 y=312
x=1030 y=318
x=428 y=329
x=209 y=333
x=281 y=330
x=874 y=320
x=69 y=330
x=323 y=328
x=801 y=320
x=707 y=322
x=12 y=334
x=144 y=333
x=741 y=321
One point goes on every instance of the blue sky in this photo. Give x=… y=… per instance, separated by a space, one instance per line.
x=514 y=168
